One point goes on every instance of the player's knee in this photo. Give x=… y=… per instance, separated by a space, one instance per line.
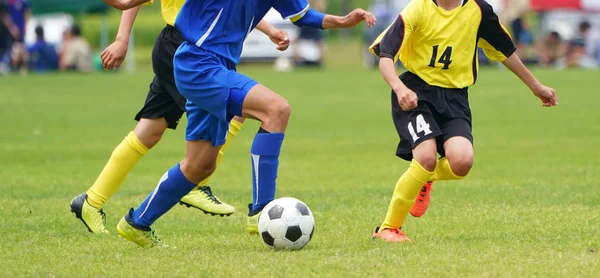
x=278 y=114
x=461 y=165
x=150 y=131
x=427 y=160
x=152 y=138
x=198 y=170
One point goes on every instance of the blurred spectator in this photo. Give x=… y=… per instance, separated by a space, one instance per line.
x=591 y=38
x=7 y=35
x=75 y=54
x=514 y=14
x=576 y=56
x=309 y=47
x=19 y=13
x=551 y=49
x=386 y=12
x=42 y=55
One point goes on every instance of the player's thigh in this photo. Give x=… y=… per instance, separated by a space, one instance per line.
x=416 y=127
x=205 y=134
x=204 y=125
x=162 y=102
x=265 y=105
x=163 y=52
x=457 y=130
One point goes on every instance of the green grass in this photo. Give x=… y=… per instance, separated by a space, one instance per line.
x=530 y=208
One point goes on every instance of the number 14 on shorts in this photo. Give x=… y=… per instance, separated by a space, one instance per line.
x=422 y=127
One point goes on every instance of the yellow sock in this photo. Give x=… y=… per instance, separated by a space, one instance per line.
x=407 y=188
x=444 y=172
x=234 y=127
x=122 y=160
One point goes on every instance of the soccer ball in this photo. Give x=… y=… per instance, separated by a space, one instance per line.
x=286 y=223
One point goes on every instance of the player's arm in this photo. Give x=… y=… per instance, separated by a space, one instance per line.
x=546 y=94
x=498 y=45
x=277 y=36
x=387 y=47
x=300 y=13
x=125 y=4
x=315 y=19
x=114 y=54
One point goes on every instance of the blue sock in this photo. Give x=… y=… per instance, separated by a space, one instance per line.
x=173 y=185
x=265 y=162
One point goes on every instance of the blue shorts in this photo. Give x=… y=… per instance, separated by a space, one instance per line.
x=214 y=91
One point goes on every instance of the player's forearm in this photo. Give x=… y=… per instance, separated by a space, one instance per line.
x=266 y=28
x=388 y=71
x=127 y=20
x=125 y=4
x=514 y=64
x=333 y=22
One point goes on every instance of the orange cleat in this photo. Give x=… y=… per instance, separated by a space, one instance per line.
x=390 y=235
x=422 y=201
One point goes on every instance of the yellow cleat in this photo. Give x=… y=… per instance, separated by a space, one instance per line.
x=94 y=219
x=144 y=238
x=252 y=221
x=204 y=200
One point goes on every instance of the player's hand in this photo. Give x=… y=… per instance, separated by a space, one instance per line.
x=113 y=56
x=281 y=39
x=407 y=99
x=357 y=16
x=547 y=95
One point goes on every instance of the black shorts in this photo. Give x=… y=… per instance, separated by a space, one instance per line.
x=163 y=99
x=441 y=113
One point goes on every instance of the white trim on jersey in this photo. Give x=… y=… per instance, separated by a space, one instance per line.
x=212 y=26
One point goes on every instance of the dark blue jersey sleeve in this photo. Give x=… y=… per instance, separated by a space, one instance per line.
x=291 y=9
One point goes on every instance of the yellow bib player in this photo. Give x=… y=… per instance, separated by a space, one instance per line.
x=162 y=109
x=437 y=41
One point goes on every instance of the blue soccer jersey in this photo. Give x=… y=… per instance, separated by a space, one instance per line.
x=220 y=26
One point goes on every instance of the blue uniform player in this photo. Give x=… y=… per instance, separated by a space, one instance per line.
x=205 y=73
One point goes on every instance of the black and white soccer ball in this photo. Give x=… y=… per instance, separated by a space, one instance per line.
x=286 y=223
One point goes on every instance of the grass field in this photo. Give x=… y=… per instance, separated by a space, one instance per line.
x=530 y=208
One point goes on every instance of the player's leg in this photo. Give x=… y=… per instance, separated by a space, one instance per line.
x=202 y=196
x=418 y=130
x=234 y=127
x=458 y=139
x=274 y=112
x=455 y=118
x=457 y=161
x=158 y=113
x=199 y=163
x=406 y=190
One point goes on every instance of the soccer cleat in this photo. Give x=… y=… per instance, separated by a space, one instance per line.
x=422 y=201
x=390 y=235
x=94 y=219
x=252 y=220
x=145 y=238
x=204 y=200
